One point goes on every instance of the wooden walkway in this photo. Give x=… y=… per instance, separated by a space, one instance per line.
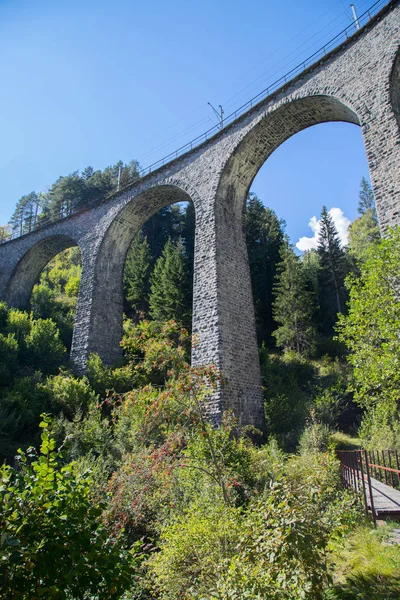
x=386 y=499
x=357 y=468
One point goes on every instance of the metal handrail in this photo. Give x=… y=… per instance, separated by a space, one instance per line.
x=358 y=466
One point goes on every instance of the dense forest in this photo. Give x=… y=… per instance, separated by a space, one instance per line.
x=116 y=485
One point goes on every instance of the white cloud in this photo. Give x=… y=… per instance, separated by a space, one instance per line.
x=342 y=225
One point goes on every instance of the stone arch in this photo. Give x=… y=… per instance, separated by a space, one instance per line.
x=236 y=319
x=27 y=271
x=103 y=282
x=270 y=131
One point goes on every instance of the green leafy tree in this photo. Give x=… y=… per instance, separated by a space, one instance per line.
x=293 y=306
x=44 y=349
x=371 y=330
x=53 y=543
x=170 y=288
x=364 y=231
x=264 y=237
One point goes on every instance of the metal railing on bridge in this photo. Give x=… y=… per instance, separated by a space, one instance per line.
x=376 y=475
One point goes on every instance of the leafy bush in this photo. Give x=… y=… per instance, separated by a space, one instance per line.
x=287 y=385
x=44 y=348
x=42 y=302
x=315 y=438
x=9 y=351
x=69 y=394
x=53 y=544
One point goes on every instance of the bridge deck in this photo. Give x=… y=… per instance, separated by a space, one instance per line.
x=386 y=499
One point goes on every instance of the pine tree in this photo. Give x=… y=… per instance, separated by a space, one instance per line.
x=137 y=276
x=264 y=237
x=366 y=198
x=364 y=231
x=333 y=269
x=170 y=289
x=293 y=306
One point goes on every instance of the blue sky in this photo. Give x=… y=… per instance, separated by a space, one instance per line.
x=92 y=82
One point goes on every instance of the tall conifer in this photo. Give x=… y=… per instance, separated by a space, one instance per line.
x=137 y=276
x=170 y=289
x=264 y=237
x=293 y=306
x=333 y=269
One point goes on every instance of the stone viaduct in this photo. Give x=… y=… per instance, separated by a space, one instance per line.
x=358 y=82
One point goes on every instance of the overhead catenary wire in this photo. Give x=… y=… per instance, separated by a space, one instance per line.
x=328 y=46
x=252 y=85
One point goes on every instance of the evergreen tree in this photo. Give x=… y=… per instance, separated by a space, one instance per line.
x=158 y=229
x=264 y=237
x=170 y=296
x=293 y=306
x=364 y=231
x=366 y=198
x=25 y=215
x=137 y=276
x=333 y=269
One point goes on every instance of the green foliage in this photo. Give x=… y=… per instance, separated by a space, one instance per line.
x=105 y=379
x=342 y=441
x=371 y=334
x=364 y=232
x=8 y=358
x=293 y=306
x=367 y=565
x=315 y=438
x=287 y=383
x=170 y=288
x=332 y=272
x=19 y=325
x=44 y=347
x=272 y=547
x=366 y=201
x=53 y=543
x=264 y=237
x=137 y=276
x=192 y=548
x=69 y=394
x=42 y=302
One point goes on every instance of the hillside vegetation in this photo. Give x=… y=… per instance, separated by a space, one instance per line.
x=116 y=484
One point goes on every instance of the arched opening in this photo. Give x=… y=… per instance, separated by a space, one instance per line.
x=55 y=295
x=237 y=318
x=107 y=286
x=158 y=272
x=46 y=282
x=27 y=272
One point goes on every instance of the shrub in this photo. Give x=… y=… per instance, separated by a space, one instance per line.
x=69 y=394
x=315 y=438
x=53 y=544
x=44 y=348
x=8 y=358
x=42 y=302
